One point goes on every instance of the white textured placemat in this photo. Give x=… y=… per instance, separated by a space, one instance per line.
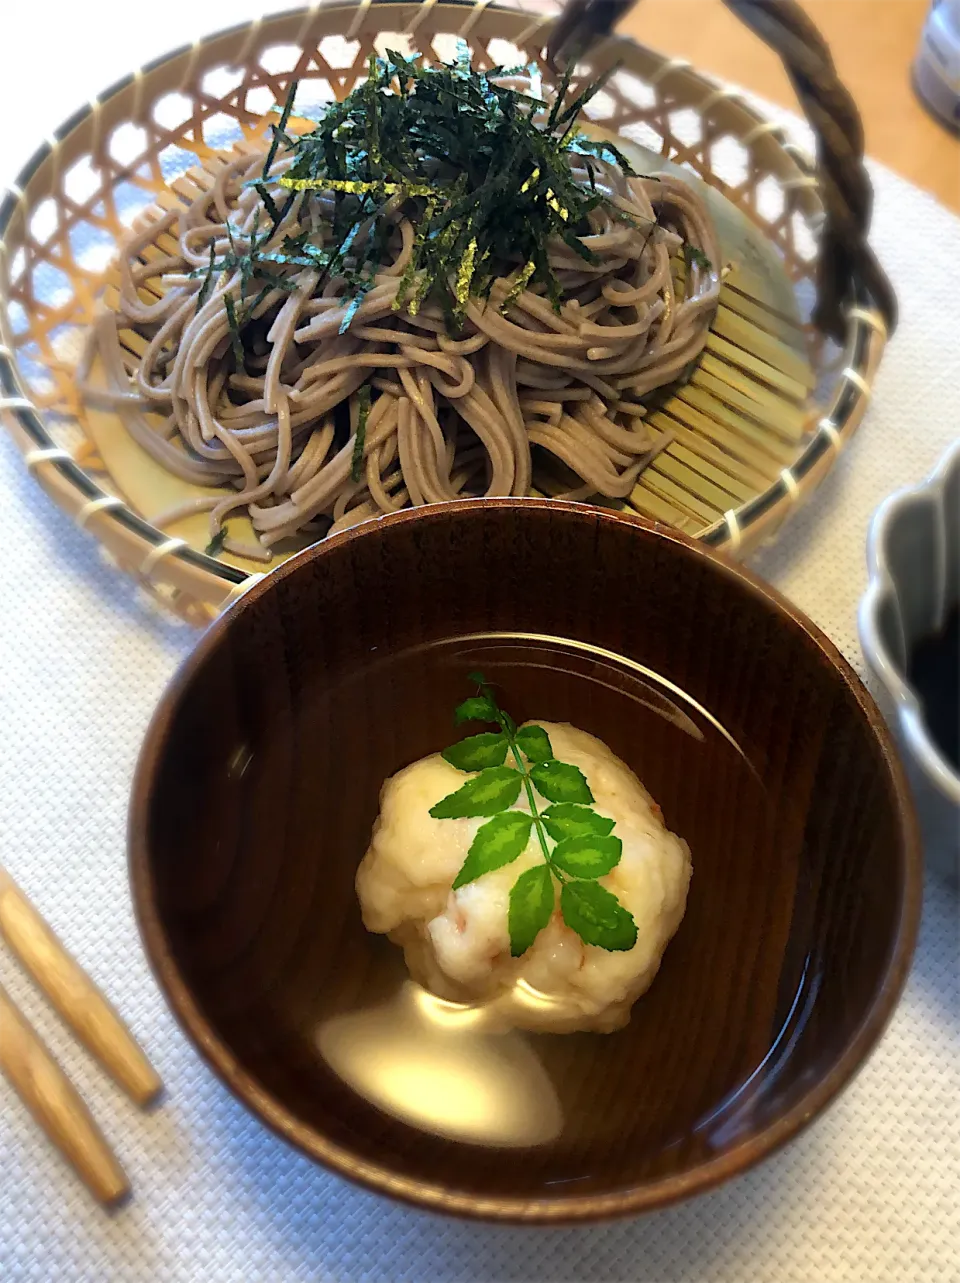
x=868 y=1195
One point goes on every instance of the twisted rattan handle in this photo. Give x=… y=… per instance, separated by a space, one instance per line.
x=848 y=268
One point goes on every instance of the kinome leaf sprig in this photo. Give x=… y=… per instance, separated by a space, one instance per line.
x=577 y=843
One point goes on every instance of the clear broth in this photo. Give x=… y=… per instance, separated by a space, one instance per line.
x=436 y=1067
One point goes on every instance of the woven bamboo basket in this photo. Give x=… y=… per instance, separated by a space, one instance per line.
x=769 y=408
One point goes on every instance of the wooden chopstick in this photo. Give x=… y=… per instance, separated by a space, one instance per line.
x=49 y=1095
x=75 y=996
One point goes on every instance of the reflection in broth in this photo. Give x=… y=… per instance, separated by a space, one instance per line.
x=651 y=698
x=441 y=1066
x=735 y=1116
x=599 y=667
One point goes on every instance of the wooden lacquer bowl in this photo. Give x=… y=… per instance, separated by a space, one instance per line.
x=257 y=789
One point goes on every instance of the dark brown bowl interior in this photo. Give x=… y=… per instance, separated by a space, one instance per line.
x=257 y=789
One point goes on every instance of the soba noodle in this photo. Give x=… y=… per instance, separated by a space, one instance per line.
x=449 y=414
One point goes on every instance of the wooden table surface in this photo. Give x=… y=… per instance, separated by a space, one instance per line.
x=873 y=44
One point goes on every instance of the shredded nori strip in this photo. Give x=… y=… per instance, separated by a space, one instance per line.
x=360 y=440
x=486 y=185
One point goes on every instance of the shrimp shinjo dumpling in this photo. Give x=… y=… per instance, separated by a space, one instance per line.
x=457 y=942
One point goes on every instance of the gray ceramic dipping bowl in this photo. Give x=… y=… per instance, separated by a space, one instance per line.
x=913 y=555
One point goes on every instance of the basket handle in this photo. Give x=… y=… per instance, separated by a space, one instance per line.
x=847 y=266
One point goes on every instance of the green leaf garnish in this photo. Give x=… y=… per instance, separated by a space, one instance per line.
x=567 y=820
x=489 y=793
x=584 y=847
x=531 y=905
x=534 y=742
x=476 y=709
x=587 y=857
x=597 y=916
x=560 y=782
x=498 y=842
x=478 y=751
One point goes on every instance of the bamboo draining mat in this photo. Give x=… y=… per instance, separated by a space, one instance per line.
x=749 y=441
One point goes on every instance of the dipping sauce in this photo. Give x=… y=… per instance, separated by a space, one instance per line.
x=934 y=673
